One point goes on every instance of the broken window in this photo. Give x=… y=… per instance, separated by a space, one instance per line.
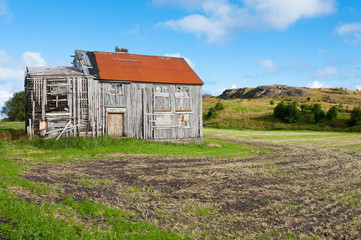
x=184 y=119
x=115 y=95
x=182 y=92
x=163 y=120
x=115 y=89
x=61 y=89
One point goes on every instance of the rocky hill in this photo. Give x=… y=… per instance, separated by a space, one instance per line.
x=272 y=91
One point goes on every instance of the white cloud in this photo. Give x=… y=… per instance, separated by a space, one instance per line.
x=4 y=10
x=358 y=87
x=178 y=55
x=269 y=65
x=4 y=96
x=220 y=19
x=315 y=84
x=351 y=31
x=326 y=71
x=234 y=86
x=33 y=59
x=12 y=72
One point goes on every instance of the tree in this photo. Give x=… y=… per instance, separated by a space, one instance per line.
x=318 y=113
x=333 y=112
x=289 y=113
x=14 y=108
x=355 y=116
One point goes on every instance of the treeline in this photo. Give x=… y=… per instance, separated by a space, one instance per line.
x=313 y=113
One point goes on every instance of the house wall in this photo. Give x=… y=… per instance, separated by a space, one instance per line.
x=82 y=105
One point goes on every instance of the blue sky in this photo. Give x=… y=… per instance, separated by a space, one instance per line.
x=229 y=43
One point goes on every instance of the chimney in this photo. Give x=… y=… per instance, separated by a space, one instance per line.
x=121 y=50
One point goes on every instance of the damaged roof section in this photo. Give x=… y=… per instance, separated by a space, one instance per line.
x=53 y=71
x=144 y=68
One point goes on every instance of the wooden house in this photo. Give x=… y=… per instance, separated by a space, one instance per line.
x=119 y=94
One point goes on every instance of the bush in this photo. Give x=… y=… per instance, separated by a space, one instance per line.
x=289 y=113
x=355 y=117
x=332 y=112
x=212 y=113
x=272 y=102
x=219 y=106
x=318 y=113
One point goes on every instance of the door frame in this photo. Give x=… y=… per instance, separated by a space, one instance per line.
x=117 y=110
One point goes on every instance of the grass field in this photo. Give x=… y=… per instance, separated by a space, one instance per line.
x=237 y=185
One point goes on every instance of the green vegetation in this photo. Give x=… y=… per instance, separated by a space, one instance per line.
x=344 y=140
x=84 y=219
x=355 y=116
x=316 y=112
x=14 y=108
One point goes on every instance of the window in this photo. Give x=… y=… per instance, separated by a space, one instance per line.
x=182 y=92
x=115 y=89
x=163 y=120
x=184 y=119
x=61 y=89
x=161 y=89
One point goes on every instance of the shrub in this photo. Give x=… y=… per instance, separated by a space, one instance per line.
x=332 y=112
x=219 y=106
x=272 y=102
x=289 y=113
x=355 y=117
x=318 y=113
x=212 y=113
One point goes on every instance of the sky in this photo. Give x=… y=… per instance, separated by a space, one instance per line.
x=228 y=43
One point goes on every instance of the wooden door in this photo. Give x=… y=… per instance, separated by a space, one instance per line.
x=116 y=124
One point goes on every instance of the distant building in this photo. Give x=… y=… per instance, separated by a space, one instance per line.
x=120 y=94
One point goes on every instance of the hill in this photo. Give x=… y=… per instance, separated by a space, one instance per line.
x=252 y=108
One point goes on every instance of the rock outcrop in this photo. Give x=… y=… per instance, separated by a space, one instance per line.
x=265 y=91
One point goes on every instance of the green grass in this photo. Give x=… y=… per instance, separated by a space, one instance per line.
x=12 y=125
x=84 y=219
x=85 y=149
x=323 y=139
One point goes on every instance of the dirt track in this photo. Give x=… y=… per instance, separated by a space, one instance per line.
x=304 y=191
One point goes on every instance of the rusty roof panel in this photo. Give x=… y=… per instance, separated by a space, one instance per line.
x=143 y=68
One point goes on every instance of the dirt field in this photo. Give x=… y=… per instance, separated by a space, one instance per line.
x=289 y=192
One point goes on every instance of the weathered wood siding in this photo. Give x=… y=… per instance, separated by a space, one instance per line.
x=82 y=106
x=53 y=103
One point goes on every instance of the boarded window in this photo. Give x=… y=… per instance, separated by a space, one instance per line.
x=163 y=120
x=162 y=103
x=184 y=119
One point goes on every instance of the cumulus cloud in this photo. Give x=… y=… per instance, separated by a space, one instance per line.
x=351 y=31
x=12 y=72
x=234 y=86
x=315 y=84
x=269 y=64
x=178 y=55
x=358 y=87
x=33 y=59
x=219 y=19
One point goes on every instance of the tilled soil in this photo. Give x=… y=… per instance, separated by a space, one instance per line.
x=303 y=191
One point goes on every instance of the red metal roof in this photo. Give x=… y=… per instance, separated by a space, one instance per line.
x=143 y=68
